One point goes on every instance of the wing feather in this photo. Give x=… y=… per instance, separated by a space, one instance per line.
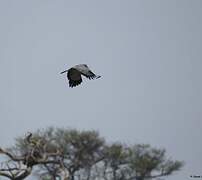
x=74 y=77
x=85 y=71
x=89 y=74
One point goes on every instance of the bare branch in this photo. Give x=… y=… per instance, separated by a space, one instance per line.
x=11 y=156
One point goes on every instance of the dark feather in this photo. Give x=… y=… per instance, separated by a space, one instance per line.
x=74 y=77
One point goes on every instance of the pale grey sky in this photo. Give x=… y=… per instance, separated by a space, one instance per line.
x=149 y=54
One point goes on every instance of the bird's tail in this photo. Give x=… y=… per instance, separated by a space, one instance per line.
x=64 y=71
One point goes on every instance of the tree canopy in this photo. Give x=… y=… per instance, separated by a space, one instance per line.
x=70 y=154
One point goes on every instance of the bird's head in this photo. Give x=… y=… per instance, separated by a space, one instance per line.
x=28 y=134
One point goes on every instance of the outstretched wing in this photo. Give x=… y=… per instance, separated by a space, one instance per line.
x=89 y=74
x=74 y=77
x=85 y=70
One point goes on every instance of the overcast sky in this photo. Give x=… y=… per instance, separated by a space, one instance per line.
x=149 y=54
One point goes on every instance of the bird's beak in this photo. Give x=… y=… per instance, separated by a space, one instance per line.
x=98 y=77
x=63 y=71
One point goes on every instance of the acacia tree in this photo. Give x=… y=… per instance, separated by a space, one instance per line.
x=137 y=162
x=19 y=161
x=83 y=155
x=80 y=150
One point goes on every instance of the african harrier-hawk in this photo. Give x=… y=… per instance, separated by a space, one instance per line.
x=74 y=74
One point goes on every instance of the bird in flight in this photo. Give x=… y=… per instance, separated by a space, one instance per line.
x=74 y=74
